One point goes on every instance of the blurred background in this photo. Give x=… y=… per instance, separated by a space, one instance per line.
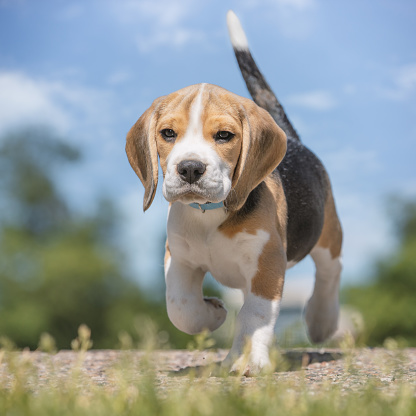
x=75 y=246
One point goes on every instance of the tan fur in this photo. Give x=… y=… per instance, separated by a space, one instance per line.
x=174 y=114
x=331 y=236
x=270 y=216
x=258 y=147
x=244 y=245
x=143 y=144
x=274 y=184
x=167 y=253
x=270 y=276
x=263 y=148
x=142 y=152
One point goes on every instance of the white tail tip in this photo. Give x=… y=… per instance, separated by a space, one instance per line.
x=236 y=32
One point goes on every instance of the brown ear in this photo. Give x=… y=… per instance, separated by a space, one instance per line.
x=263 y=148
x=142 y=152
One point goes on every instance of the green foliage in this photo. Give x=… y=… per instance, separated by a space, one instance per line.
x=388 y=302
x=60 y=269
x=28 y=159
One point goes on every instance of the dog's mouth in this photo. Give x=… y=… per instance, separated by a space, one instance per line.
x=212 y=190
x=188 y=197
x=191 y=193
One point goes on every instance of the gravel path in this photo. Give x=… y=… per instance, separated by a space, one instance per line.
x=315 y=368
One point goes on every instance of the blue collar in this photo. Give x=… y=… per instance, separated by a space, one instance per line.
x=208 y=206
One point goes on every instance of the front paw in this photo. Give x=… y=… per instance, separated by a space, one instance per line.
x=321 y=319
x=217 y=303
x=247 y=365
x=217 y=312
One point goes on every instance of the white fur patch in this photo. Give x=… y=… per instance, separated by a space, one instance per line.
x=255 y=324
x=187 y=309
x=237 y=35
x=290 y=264
x=195 y=125
x=194 y=237
x=215 y=183
x=322 y=310
x=196 y=247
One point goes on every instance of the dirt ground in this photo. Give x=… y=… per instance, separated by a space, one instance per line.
x=349 y=370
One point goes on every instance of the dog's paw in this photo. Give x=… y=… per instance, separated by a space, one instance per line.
x=247 y=365
x=321 y=320
x=217 y=303
x=217 y=311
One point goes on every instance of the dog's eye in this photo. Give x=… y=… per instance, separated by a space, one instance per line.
x=223 y=136
x=168 y=134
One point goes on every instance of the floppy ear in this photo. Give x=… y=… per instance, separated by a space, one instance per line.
x=142 y=152
x=263 y=148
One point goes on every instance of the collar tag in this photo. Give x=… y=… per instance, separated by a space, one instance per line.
x=208 y=206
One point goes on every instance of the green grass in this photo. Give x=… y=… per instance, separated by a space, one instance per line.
x=145 y=392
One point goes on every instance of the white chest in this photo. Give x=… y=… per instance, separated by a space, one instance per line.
x=194 y=240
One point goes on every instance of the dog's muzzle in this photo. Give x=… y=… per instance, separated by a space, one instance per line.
x=191 y=170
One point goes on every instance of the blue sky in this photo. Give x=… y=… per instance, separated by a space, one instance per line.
x=345 y=72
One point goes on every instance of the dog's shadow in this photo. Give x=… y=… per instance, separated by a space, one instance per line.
x=293 y=360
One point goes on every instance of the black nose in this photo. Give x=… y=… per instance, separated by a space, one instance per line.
x=191 y=170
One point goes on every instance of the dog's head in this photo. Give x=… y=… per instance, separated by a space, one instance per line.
x=212 y=145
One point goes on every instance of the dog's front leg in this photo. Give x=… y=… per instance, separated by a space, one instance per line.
x=256 y=320
x=187 y=308
x=255 y=324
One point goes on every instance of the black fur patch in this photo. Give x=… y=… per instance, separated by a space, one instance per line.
x=252 y=201
x=261 y=92
x=305 y=183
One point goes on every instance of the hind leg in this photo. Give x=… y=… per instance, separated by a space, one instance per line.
x=322 y=310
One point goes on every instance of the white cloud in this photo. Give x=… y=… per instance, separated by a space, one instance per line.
x=350 y=89
x=404 y=83
x=350 y=160
x=163 y=12
x=294 y=19
x=24 y=100
x=173 y=37
x=158 y=23
x=314 y=100
x=119 y=77
x=406 y=77
x=28 y=100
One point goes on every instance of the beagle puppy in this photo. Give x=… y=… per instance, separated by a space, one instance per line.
x=247 y=201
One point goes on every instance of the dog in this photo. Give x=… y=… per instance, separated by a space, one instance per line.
x=247 y=201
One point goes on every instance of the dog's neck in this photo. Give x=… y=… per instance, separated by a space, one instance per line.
x=208 y=219
x=208 y=206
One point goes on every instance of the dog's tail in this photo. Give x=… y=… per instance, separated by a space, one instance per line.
x=258 y=87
